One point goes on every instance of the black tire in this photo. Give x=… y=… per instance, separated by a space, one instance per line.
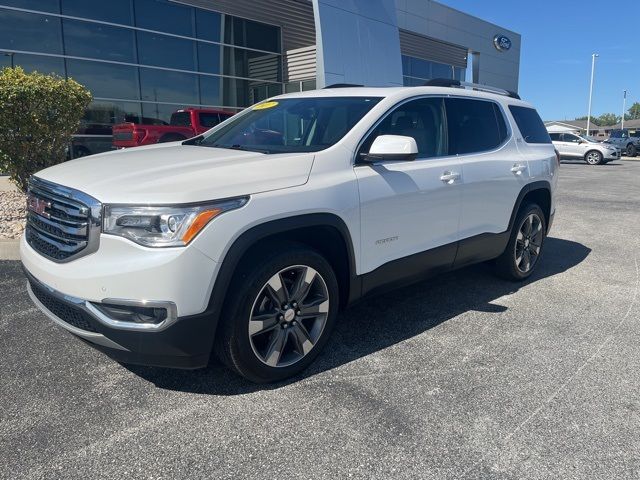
x=594 y=157
x=631 y=150
x=507 y=265
x=242 y=351
x=171 y=137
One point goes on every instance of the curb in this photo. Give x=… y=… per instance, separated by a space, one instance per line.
x=9 y=249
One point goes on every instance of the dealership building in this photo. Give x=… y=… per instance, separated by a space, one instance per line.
x=144 y=59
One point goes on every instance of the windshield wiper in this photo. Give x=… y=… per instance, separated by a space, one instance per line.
x=240 y=147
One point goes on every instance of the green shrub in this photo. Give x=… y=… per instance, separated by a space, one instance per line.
x=38 y=115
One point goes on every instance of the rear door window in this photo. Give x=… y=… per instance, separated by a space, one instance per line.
x=474 y=125
x=209 y=120
x=530 y=124
x=555 y=137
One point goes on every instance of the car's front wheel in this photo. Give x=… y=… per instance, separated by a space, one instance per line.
x=594 y=157
x=631 y=150
x=278 y=315
x=523 y=251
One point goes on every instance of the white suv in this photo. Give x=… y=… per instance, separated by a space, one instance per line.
x=247 y=240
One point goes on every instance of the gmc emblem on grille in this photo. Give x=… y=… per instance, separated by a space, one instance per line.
x=37 y=205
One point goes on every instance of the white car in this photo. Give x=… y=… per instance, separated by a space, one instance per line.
x=246 y=241
x=573 y=146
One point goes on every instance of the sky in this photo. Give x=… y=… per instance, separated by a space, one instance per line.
x=558 y=38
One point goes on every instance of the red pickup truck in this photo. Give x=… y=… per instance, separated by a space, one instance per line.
x=184 y=124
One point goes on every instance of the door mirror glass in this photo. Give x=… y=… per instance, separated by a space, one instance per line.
x=392 y=147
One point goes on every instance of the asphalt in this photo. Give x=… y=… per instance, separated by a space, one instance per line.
x=464 y=376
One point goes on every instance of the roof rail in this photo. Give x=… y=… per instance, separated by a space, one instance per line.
x=342 y=85
x=449 y=82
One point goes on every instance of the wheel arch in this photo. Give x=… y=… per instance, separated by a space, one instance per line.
x=538 y=192
x=327 y=233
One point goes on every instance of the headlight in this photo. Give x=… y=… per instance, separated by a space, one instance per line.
x=164 y=226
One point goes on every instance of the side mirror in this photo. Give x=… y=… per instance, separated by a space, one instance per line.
x=392 y=147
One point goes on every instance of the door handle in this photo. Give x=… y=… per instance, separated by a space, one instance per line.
x=449 y=177
x=518 y=168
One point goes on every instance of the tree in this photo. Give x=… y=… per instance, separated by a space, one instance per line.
x=607 y=119
x=38 y=115
x=633 y=112
x=594 y=120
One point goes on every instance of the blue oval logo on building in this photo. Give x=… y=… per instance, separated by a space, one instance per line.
x=502 y=43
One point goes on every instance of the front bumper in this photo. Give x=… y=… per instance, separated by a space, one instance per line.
x=186 y=343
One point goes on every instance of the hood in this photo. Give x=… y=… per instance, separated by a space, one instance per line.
x=176 y=173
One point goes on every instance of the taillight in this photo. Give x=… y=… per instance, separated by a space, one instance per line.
x=557 y=156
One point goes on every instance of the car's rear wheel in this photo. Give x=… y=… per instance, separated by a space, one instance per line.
x=523 y=251
x=278 y=315
x=594 y=157
x=631 y=150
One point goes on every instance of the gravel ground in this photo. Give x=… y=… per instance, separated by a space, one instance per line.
x=463 y=377
x=12 y=213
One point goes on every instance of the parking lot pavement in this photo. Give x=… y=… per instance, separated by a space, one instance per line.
x=465 y=376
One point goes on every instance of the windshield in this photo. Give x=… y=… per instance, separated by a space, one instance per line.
x=306 y=124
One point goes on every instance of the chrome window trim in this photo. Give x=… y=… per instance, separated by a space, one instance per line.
x=510 y=133
x=94 y=219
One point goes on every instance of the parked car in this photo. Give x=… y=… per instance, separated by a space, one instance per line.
x=573 y=146
x=627 y=142
x=184 y=124
x=246 y=241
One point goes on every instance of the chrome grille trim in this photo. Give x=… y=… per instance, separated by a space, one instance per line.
x=66 y=223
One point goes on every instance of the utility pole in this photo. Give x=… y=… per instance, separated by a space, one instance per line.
x=624 y=107
x=593 y=67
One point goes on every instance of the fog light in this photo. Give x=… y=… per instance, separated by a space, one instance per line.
x=134 y=314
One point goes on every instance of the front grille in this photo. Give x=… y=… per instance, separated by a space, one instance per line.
x=67 y=313
x=58 y=225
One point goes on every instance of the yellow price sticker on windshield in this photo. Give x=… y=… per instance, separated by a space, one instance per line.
x=265 y=105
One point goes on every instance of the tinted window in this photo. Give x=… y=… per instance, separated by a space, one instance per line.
x=209 y=119
x=208 y=25
x=555 y=137
x=209 y=58
x=570 y=138
x=474 y=125
x=30 y=31
x=39 y=63
x=422 y=119
x=93 y=40
x=163 y=16
x=181 y=119
x=247 y=63
x=293 y=125
x=113 y=11
x=164 y=86
x=247 y=33
x=165 y=51
x=41 y=5
x=530 y=124
x=158 y=112
x=104 y=79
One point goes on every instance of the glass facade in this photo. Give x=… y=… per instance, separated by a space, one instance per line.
x=416 y=71
x=142 y=59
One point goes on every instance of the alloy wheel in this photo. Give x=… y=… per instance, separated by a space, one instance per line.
x=288 y=316
x=528 y=243
x=593 y=158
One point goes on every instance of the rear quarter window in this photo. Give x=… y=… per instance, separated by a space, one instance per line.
x=530 y=124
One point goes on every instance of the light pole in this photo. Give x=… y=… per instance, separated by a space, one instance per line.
x=624 y=107
x=593 y=67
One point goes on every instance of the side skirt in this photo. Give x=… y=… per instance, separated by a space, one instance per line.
x=421 y=266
